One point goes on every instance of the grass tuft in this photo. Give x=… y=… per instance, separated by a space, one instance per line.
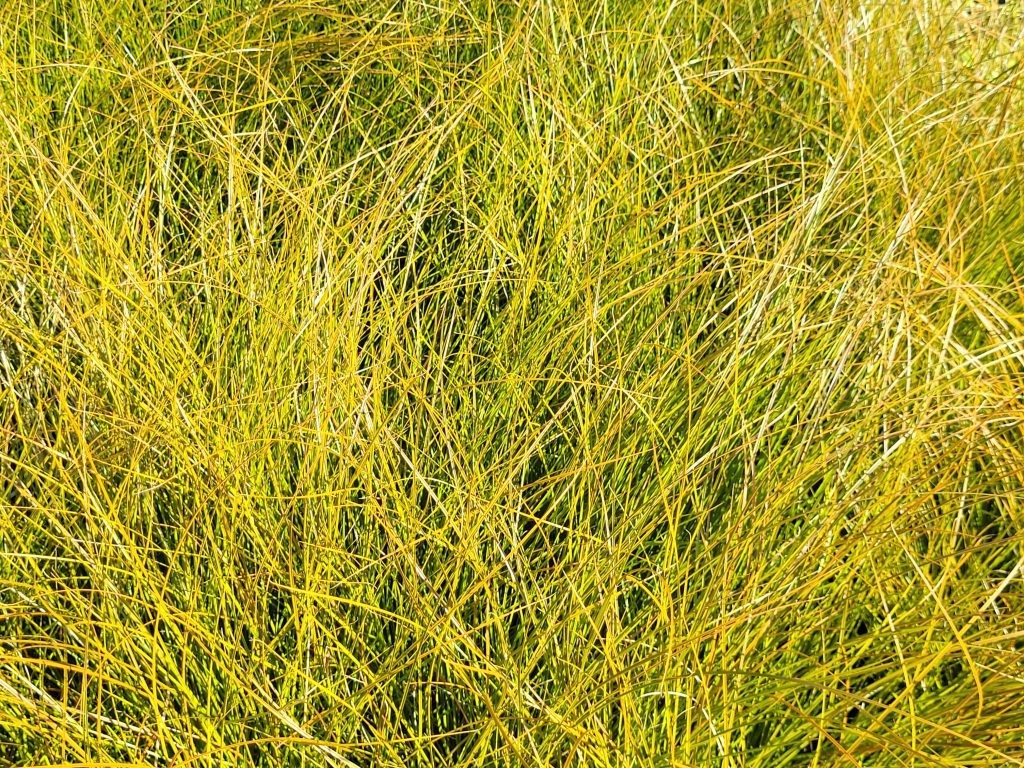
x=511 y=384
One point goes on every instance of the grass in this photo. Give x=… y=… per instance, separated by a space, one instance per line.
x=488 y=384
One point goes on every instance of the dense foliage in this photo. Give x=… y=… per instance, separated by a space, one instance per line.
x=486 y=384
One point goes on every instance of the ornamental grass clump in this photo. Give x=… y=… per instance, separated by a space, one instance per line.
x=489 y=384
